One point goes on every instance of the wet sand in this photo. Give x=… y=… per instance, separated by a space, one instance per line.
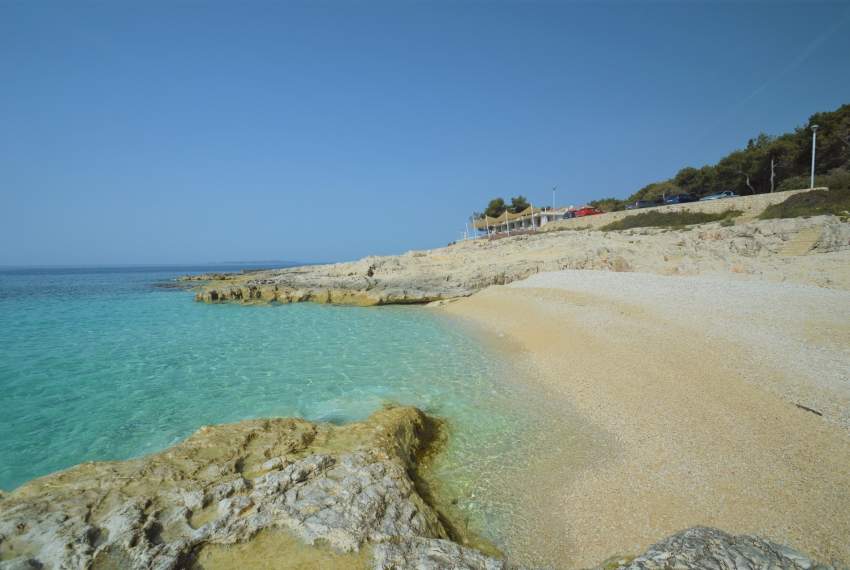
x=689 y=391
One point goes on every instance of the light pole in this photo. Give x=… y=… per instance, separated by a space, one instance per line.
x=553 y=197
x=814 y=143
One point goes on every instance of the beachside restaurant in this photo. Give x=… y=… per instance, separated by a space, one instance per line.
x=528 y=219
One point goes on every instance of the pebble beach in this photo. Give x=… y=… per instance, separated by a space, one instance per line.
x=714 y=401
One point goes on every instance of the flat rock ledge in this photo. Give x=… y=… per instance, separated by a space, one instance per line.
x=352 y=490
x=786 y=249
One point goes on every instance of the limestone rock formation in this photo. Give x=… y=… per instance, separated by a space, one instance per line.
x=758 y=248
x=350 y=489
x=346 y=487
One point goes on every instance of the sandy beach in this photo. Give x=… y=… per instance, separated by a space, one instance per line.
x=712 y=401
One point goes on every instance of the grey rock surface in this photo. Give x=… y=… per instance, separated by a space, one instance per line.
x=711 y=549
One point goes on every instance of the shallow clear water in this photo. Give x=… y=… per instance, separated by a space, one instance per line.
x=101 y=364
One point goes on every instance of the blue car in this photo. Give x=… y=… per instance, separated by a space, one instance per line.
x=719 y=195
x=680 y=199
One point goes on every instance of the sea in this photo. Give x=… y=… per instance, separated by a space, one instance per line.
x=110 y=363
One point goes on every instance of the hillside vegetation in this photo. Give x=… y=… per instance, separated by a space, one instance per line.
x=816 y=203
x=672 y=220
x=748 y=171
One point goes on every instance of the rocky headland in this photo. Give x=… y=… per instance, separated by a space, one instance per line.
x=776 y=250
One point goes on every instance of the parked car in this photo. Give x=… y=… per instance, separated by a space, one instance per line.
x=589 y=211
x=569 y=214
x=680 y=199
x=719 y=195
x=642 y=204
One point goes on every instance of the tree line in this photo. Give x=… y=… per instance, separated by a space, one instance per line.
x=767 y=164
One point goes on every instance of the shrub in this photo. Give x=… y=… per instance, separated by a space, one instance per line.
x=672 y=220
x=814 y=203
x=608 y=204
x=836 y=179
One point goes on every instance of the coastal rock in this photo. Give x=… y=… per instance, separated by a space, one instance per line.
x=346 y=487
x=755 y=248
x=712 y=549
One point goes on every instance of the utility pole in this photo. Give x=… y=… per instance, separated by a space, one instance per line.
x=532 y=214
x=814 y=144
x=507 y=223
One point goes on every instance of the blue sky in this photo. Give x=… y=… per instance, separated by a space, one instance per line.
x=176 y=132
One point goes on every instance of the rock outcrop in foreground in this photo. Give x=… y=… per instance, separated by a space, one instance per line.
x=287 y=490
x=351 y=489
x=801 y=250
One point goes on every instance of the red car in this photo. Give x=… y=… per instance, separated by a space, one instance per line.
x=588 y=212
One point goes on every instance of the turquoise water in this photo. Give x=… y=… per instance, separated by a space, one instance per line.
x=101 y=365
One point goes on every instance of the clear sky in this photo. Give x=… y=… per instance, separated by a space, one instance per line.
x=175 y=132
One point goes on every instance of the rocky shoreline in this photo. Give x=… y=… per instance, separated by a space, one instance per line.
x=354 y=489
x=771 y=249
x=322 y=495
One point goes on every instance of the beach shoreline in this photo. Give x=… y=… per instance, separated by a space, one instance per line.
x=692 y=379
x=700 y=428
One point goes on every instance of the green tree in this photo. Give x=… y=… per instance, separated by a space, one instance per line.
x=608 y=204
x=655 y=191
x=767 y=161
x=495 y=208
x=833 y=141
x=688 y=179
x=837 y=179
x=783 y=154
x=518 y=204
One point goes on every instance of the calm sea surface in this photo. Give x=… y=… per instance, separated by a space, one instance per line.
x=100 y=364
